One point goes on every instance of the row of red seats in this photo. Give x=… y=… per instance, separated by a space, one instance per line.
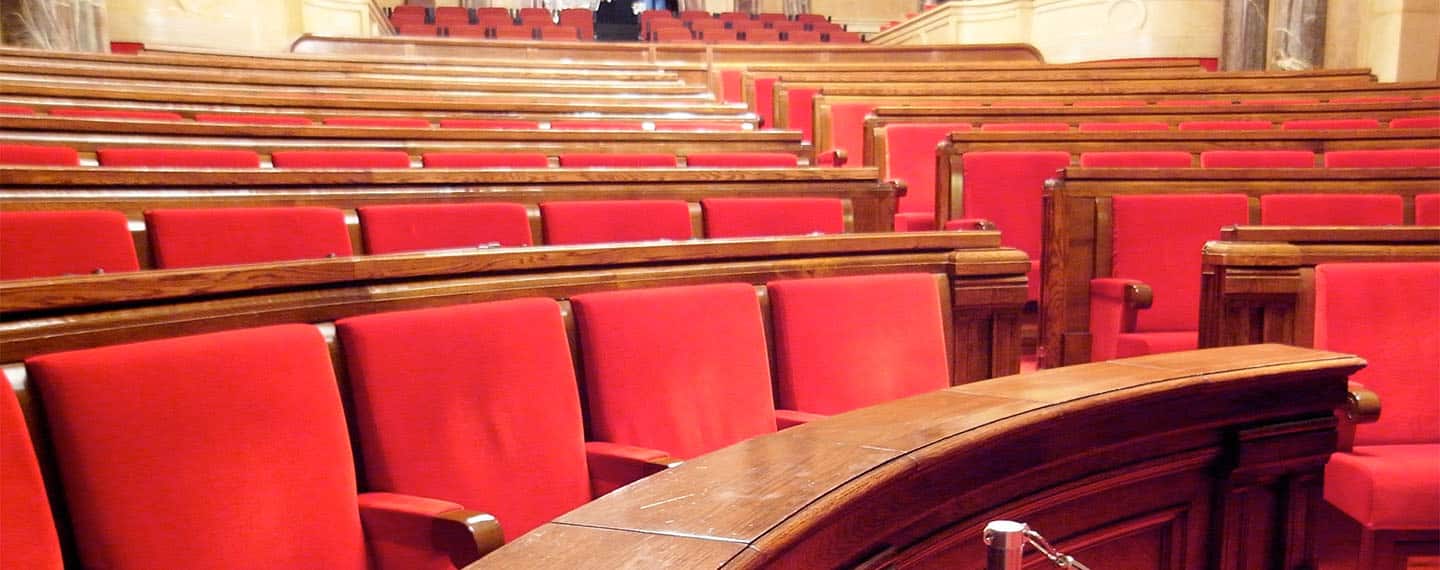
x=243 y=433
x=456 y=15
x=699 y=15
x=47 y=244
x=35 y=155
x=550 y=32
x=682 y=35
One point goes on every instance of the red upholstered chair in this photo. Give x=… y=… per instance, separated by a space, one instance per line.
x=1291 y=101
x=702 y=26
x=826 y=27
x=1390 y=479
x=417 y=30
x=1395 y=99
x=720 y=36
x=558 y=33
x=390 y=122
x=1332 y=210
x=771 y=17
x=1156 y=243
x=1191 y=102
x=409 y=19
x=408 y=10
x=733 y=16
x=485 y=160
x=50 y=244
x=847 y=129
x=843 y=343
x=1027 y=104
x=656 y=377
x=16 y=110
x=27 y=530
x=251 y=119
x=1427 y=210
x=910 y=158
x=1025 y=127
x=674 y=35
x=178 y=158
x=787 y=26
x=37 y=155
x=843 y=37
x=746 y=25
x=1257 y=159
x=1006 y=188
x=120 y=114
x=695 y=15
x=803 y=37
x=413 y=227
x=1136 y=159
x=1110 y=103
x=600 y=221
x=222 y=236
x=451 y=15
x=340 y=159
x=1321 y=124
x=469 y=30
x=488 y=124
x=1389 y=158
x=617 y=160
x=811 y=18
x=698 y=126
x=750 y=217
x=535 y=16
x=743 y=160
x=1416 y=123
x=492 y=12
x=513 y=33
x=228 y=448
x=598 y=125
x=1225 y=125
x=1123 y=126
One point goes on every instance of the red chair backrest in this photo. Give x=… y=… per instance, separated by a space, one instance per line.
x=1123 y=126
x=1257 y=159
x=392 y=122
x=417 y=30
x=117 y=114
x=413 y=227
x=1416 y=123
x=843 y=37
x=1005 y=188
x=743 y=160
x=1225 y=125
x=601 y=221
x=802 y=37
x=618 y=160
x=677 y=34
x=1321 y=124
x=751 y=217
x=27 y=529
x=1136 y=159
x=252 y=119
x=78 y=242
x=910 y=157
x=581 y=125
x=762 y=36
x=37 y=155
x=16 y=110
x=1388 y=158
x=1427 y=210
x=485 y=160
x=1332 y=210
x=488 y=124
x=697 y=126
x=1025 y=127
x=514 y=33
x=178 y=158
x=340 y=159
x=222 y=236
x=570 y=33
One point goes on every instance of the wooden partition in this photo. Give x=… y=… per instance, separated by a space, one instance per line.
x=1077 y=227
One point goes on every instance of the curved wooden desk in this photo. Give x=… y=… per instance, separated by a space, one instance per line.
x=1205 y=459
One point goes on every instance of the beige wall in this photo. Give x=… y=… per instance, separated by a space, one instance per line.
x=236 y=25
x=1398 y=39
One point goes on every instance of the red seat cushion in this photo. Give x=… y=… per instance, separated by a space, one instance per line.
x=1136 y=159
x=743 y=160
x=1110 y=103
x=848 y=342
x=1019 y=104
x=1257 y=159
x=16 y=110
x=1025 y=127
x=655 y=376
x=1172 y=228
x=1123 y=126
x=392 y=122
x=1332 y=210
x=1416 y=123
x=698 y=126
x=1291 y=101
x=1395 y=99
x=117 y=114
x=573 y=125
x=485 y=160
x=746 y=217
x=1005 y=188
x=600 y=221
x=1225 y=125
x=915 y=222
x=27 y=531
x=1387 y=486
x=1427 y=210
x=36 y=155
x=1390 y=158
x=488 y=124
x=606 y=160
x=178 y=158
x=1319 y=124
x=252 y=119
x=340 y=159
x=475 y=404
x=48 y=244
x=1191 y=102
x=235 y=441
x=221 y=236
x=411 y=227
x=1141 y=344
x=910 y=156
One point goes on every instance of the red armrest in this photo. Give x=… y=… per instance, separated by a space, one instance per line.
x=963 y=224
x=405 y=531
x=615 y=465
x=1114 y=304
x=790 y=418
x=835 y=158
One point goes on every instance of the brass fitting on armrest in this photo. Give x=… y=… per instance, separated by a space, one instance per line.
x=1362 y=405
x=1139 y=296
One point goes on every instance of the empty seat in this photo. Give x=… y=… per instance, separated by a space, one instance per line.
x=340 y=159
x=1025 y=127
x=762 y=36
x=617 y=160
x=1191 y=102
x=702 y=26
x=27 y=530
x=1416 y=123
x=849 y=342
x=536 y=16
x=1257 y=159
x=601 y=221
x=16 y=110
x=1225 y=125
x=485 y=160
x=417 y=30
x=1321 y=124
x=390 y=122
x=1390 y=158
x=178 y=158
x=811 y=18
x=413 y=227
x=656 y=378
x=252 y=119
x=698 y=126
x=411 y=19
x=910 y=157
x=743 y=160
x=1427 y=210
x=1110 y=103
x=1147 y=230
x=492 y=12
x=1332 y=210
x=749 y=217
x=1005 y=188
x=695 y=15
x=720 y=36
x=787 y=26
x=1290 y=101
x=843 y=37
x=597 y=125
x=772 y=17
x=733 y=16
x=489 y=124
x=447 y=15
x=514 y=33
x=469 y=31
x=566 y=33
x=1123 y=126
x=49 y=244
x=221 y=236
x=121 y=114
x=38 y=155
x=803 y=37
x=671 y=35
x=1136 y=159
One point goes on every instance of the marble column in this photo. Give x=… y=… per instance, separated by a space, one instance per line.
x=1297 y=35
x=62 y=25
x=1243 y=42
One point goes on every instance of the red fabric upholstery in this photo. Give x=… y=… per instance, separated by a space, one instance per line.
x=340 y=159
x=1143 y=343
x=48 y=244
x=469 y=31
x=127 y=48
x=1396 y=99
x=600 y=221
x=391 y=122
x=765 y=101
x=117 y=114
x=762 y=36
x=1332 y=210
x=1225 y=125
x=563 y=33
x=1025 y=127
x=1005 y=188
x=911 y=157
x=178 y=158
x=251 y=119
x=848 y=342
x=746 y=217
x=1027 y=104
x=606 y=160
x=1390 y=158
x=1110 y=103
x=1320 y=124
x=411 y=227
x=1123 y=126
x=1427 y=210
x=1398 y=304
x=675 y=34
x=27 y=531
x=16 y=110
x=1293 y=101
x=235 y=441
x=485 y=160
x=1416 y=123
x=732 y=85
x=35 y=155
x=844 y=37
x=1387 y=486
x=915 y=222
x=417 y=30
x=475 y=404
x=796 y=37
x=221 y=236
x=597 y=125
x=698 y=126
x=1136 y=159
x=488 y=124
x=655 y=376
x=847 y=128
x=514 y=33
x=614 y=465
x=1191 y=102
x=801 y=110
x=1257 y=159
x=743 y=160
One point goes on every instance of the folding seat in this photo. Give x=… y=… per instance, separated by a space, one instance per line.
x=617 y=160
x=1110 y=103
x=536 y=16
x=468 y=31
x=733 y=16
x=225 y=450
x=1123 y=126
x=1191 y=102
x=387 y=122
x=1427 y=210
x=753 y=217
x=720 y=37
x=1416 y=123
x=1257 y=159
x=1332 y=210
x=1225 y=125
x=911 y=158
x=826 y=27
x=771 y=17
x=581 y=19
x=843 y=343
x=746 y=25
x=27 y=530
x=493 y=19
x=1292 y=101
x=702 y=26
x=597 y=125
x=1389 y=158
x=670 y=32
x=561 y=33
x=843 y=37
x=1388 y=482
x=1156 y=242
x=801 y=37
x=36 y=155
x=789 y=26
x=811 y=18
x=278 y=120
x=452 y=16
x=412 y=227
x=514 y=33
x=16 y=110
x=417 y=30
x=698 y=126
x=742 y=160
x=695 y=15
x=408 y=19
x=76 y=242
x=492 y=13
x=178 y=158
x=485 y=160
x=1321 y=124
x=762 y=36
x=1006 y=188
x=1025 y=127
x=1136 y=159
x=124 y=114
x=656 y=378
x=1396 y=99
x=223 y=236
x=340 y=159
x=601 y=221
x=488 y=124
x=1026 y=104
